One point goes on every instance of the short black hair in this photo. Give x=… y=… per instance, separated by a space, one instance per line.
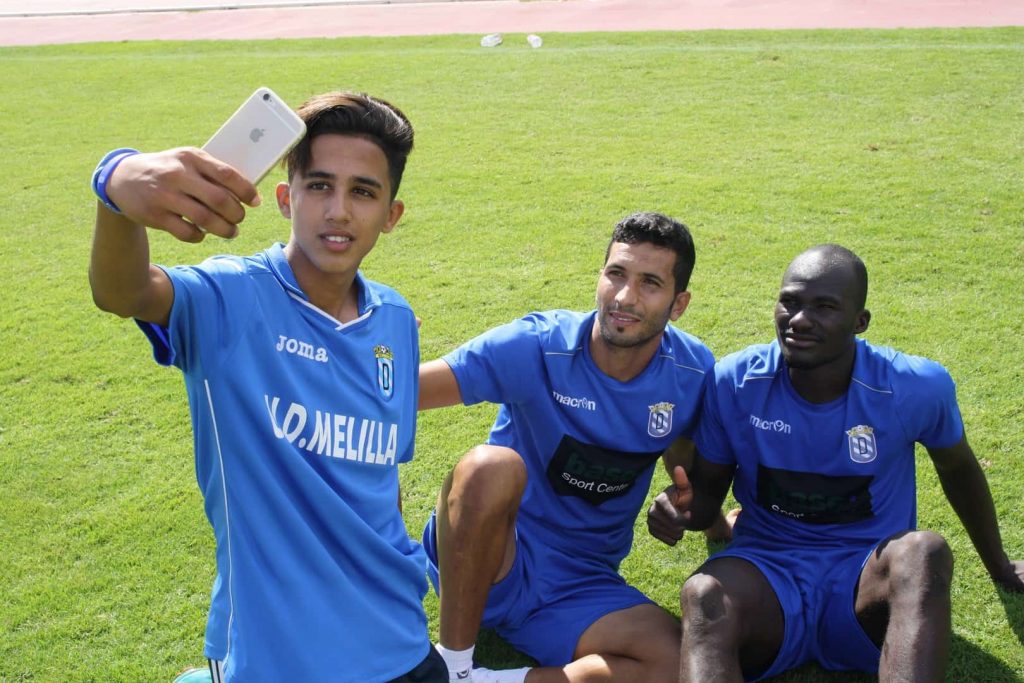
x=837 y=256
x=360 y=115
x=658 y=229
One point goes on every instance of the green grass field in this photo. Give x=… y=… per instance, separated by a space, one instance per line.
x=906 y=146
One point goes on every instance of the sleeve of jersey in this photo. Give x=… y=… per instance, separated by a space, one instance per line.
x=499 y=366
x=926 y=400
x=210 y=305
x=711 y=438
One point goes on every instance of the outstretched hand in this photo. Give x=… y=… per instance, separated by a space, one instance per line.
x=183 y=191
x=1012 y=579
x=669 y=515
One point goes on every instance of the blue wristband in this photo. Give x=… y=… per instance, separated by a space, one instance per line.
x=104 y=169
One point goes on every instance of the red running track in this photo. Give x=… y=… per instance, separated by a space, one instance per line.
x=100 y=20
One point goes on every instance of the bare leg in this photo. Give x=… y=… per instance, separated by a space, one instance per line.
x=903 y=604
x=636 y=644
x=476 y=514
x=732 y=622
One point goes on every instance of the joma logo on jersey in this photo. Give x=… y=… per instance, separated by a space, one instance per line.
x=660 y=421
x=301 y=348
x=863 y=447
x=385 y=370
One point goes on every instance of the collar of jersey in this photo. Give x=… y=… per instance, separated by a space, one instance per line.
x=783 y=375
x=369 y=298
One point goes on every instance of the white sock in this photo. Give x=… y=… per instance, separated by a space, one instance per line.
x=500 y=676
x=457 y=661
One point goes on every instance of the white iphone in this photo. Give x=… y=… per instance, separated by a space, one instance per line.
x=258 y=135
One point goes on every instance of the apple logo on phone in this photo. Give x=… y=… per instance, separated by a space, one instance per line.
x=256 y=134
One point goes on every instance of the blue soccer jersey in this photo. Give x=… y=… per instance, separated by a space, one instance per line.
x=826 y=475
x=299 y=423
x=589 y=441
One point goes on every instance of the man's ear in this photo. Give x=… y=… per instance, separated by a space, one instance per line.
x=394 y=213
x=679 y=305
x=863 y=320
x=283 y=193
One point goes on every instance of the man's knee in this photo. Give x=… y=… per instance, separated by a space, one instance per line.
x=920 y=564
x=703 y=603
x=487 y=477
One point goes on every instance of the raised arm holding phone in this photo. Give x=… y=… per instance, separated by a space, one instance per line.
x=302 y=383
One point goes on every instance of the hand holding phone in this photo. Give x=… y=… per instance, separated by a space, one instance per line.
x=173 y=190
x=258 y=135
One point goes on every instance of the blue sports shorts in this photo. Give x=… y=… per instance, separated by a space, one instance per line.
x=548 y=599
x=816 y=590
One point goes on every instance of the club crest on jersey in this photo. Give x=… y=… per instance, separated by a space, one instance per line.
x=660 y=421
x=863 y=447
x=385 y=370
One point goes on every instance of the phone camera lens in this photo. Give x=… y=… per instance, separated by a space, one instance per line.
x=266 y=97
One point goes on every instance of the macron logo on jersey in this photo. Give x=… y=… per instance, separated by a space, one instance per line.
x=301 y=348
x=574 y=402
x=770 y=425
